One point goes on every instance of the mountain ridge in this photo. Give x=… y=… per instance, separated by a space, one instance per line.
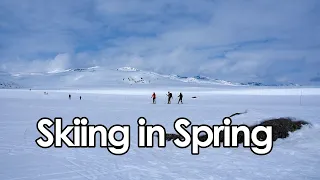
x=123 y=75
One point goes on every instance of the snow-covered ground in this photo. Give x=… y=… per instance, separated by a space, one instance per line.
x=296 y=157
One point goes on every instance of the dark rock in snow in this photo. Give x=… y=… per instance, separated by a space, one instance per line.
x=280 y=129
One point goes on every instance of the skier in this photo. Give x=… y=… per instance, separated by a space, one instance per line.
x=169 y=97
x=69 y=96
x=153 y=98
x=180 y=98
x=80 y=97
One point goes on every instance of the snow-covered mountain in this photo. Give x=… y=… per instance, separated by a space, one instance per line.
x=102 y=77
x=9 y=85
x=130 y=69
x=6 y=81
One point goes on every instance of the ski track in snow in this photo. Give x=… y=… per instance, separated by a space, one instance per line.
x=296 y=157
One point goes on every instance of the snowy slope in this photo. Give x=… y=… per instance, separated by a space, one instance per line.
x=78 y=78
x=294 y=158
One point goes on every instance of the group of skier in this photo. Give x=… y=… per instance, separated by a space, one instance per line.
x=169 y=95
x=154 y=97
x=70 y=97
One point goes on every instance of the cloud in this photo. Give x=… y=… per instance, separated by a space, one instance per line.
x=58 y=63
x=235 y=40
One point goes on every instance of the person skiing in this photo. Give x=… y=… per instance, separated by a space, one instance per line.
x=80 y=97
x=180 y=98
x=154 y=98
x=169 y=97
x=69 y=96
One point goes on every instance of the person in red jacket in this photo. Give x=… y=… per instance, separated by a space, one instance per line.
x=154 y=98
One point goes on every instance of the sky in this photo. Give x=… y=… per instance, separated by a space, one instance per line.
x=239 y=40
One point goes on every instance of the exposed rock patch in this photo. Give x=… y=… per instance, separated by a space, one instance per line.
x=281 y=127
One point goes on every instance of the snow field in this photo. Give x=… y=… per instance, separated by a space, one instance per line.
x=296 y=157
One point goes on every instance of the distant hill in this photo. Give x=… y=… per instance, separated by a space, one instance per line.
x=101 y=77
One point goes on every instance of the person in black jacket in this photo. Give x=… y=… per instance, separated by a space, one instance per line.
x=169 y=97
x=180 y=98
